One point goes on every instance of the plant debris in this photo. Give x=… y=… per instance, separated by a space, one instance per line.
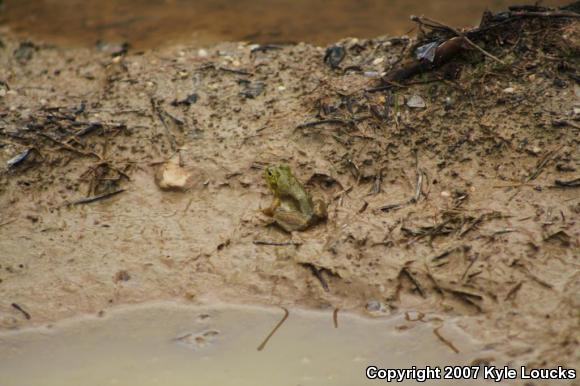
x=574 y=183
x=334 y=55
x=187 y=101
x=280 y=323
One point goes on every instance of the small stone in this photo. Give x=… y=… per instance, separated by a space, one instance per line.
x=416 y=102
x=202 y=53
x=122 y=276
x=252 y=90
x=445 y=194
x=371 y=74
x=172 y=176
x=334 y=55
x=448 y=103
x=378 y=60
x=509 y=90
x=374 y=306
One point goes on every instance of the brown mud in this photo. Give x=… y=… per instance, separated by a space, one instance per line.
x=466 y=204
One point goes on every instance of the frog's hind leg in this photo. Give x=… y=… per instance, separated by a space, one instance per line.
x=290 y=220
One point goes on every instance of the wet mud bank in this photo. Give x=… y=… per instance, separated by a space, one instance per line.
x=449 y=164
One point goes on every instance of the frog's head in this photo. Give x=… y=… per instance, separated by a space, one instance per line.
x=273 y=175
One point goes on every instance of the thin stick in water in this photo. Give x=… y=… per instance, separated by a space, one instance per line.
x=335 y=317
x=286 y=313
x=445 y=341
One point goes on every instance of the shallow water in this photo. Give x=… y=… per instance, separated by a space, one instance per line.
x=155 y=23
x=174 y=345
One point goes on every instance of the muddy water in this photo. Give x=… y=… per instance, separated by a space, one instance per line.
x=154 y=23
x=172 y=345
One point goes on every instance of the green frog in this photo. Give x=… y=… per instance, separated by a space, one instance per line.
x=292 y=208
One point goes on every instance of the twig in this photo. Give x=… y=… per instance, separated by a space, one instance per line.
x=389 y=207
x=224 y=69
x=469 y=267
x=512 y=292
x=265 y=47
x=548 y=14
x=317 y=272
x=542 y=163
x=26 y=314
x=286 y=313
x=434 y=23
x=325 y=121
x=419 y=188
x=445 y=341
x=575 y=183
x=7 y=222
x=467 y=297
x=276 y=243
x=405 y=271
x=412 y=200
x=169 y=123
x=447 y=252
x=535 y=278
x=564 y=122
x=335 y=317
x=103 y=196
x=71 y=148
x=234 y=71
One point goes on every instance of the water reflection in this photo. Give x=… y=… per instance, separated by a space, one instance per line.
x=154 y=23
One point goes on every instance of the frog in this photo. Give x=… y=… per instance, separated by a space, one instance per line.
x=292 y=208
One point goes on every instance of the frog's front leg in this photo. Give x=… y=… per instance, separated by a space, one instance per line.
x=273 y=206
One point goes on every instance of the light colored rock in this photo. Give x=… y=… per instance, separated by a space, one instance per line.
x=172 y=176
x=416 y=102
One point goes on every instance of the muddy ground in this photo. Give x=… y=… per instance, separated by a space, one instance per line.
x=465 y=205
